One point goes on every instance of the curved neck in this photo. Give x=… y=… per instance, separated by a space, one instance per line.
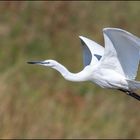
x=76 y=77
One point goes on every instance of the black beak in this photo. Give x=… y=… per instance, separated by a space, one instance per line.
x=35 y=62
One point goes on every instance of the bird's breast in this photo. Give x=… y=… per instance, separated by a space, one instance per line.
x=109 y=79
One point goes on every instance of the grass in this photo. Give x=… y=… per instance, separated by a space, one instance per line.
x=36 y=102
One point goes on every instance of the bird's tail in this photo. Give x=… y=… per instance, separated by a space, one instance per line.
x=133 y=84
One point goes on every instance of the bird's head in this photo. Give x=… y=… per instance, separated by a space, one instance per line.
x=48 y=63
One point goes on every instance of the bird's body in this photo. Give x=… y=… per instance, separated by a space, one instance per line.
x=114 y=66
x=115 y=80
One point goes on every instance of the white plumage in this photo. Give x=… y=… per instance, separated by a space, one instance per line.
x=114 y=66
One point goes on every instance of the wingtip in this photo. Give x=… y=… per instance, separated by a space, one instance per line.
x=108 y=28
x=112 y=28
x=81 y=37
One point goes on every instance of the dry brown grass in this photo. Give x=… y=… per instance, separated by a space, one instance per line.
x=36 y=102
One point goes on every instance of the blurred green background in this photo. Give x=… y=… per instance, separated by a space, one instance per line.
x=35 y=101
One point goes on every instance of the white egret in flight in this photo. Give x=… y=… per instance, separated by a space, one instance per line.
x=114 y=66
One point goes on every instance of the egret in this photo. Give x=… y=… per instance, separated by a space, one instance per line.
x=113 y=66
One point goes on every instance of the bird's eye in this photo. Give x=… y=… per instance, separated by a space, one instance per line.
x=47 y=62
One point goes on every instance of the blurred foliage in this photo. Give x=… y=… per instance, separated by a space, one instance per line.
x=36 y=102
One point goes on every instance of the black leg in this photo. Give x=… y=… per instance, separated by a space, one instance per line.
x=132 y=94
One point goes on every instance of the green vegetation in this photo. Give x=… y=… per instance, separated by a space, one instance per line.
x=36 y=102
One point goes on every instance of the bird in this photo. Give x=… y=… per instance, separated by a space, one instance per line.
x=114 y=66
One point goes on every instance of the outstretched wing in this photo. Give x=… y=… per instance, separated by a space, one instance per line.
x=122 y=52
x=92 y=52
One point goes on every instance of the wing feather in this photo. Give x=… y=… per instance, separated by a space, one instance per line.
x=92 y=51
x=122 y=52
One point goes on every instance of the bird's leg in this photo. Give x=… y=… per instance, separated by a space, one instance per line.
x=134 y=95
x=130 y=93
